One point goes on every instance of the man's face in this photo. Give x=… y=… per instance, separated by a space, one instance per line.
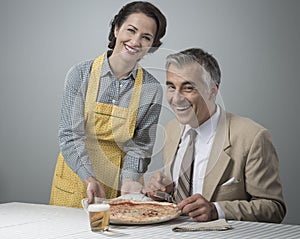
x=189 y=95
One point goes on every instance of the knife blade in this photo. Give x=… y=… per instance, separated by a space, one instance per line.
x=164 y=196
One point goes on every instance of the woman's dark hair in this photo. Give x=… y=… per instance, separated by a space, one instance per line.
x=139 y=7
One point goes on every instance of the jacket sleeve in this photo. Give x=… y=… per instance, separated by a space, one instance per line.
x=261 y=184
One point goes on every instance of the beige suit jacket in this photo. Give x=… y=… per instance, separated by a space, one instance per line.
x=242 y=149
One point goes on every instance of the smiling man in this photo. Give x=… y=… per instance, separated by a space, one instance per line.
x=217 y=164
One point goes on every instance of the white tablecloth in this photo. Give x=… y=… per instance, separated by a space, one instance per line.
x=36 y=221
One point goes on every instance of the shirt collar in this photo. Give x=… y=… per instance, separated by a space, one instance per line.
x=207 y=130
x=106 y=70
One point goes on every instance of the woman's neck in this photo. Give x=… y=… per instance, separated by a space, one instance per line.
x=120 y=68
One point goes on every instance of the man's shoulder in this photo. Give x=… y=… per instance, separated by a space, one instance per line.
x=243 y=130
x=173 y=124
x=242 y=122
x=235 y=123
x=173 y=129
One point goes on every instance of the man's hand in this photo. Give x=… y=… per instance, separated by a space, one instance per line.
x=158 y=182
x=198 y=208
x=130 y=186
x=94 y=189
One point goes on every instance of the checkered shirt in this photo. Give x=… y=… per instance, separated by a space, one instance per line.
x=111 y=91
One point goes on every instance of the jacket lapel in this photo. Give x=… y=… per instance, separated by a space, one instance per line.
x=219 y=159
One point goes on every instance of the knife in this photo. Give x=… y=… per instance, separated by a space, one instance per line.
x=164 y=196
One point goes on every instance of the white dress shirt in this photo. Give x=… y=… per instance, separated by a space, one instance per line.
x=203 y=143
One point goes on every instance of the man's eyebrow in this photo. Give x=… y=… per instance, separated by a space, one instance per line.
x=183 y=83
x=188 y=83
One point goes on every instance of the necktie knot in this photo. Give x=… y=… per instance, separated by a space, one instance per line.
x=192 y=134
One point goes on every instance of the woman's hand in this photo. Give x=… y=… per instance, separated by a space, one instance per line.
x=94 y=189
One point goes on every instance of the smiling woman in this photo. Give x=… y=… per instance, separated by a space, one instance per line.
x=104 y=132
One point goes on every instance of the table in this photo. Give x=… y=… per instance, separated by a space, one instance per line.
x=38 y=221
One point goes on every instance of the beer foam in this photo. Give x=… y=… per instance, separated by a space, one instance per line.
x=98 y=207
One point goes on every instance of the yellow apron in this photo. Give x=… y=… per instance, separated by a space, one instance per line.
x=107 y=128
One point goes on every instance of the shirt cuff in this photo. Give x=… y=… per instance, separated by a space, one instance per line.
x=221 y=214
x=125 y=174
x=85 y=171
x=134 y=168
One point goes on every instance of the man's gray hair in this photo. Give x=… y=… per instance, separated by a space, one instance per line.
x=196 y=55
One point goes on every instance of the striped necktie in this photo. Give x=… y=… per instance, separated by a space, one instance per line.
x=184 y=186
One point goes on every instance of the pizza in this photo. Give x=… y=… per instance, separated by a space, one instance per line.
x=124 y=211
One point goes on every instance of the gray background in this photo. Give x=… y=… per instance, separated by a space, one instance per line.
x=256 y=43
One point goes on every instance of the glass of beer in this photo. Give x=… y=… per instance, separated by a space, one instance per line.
x=99 y=217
